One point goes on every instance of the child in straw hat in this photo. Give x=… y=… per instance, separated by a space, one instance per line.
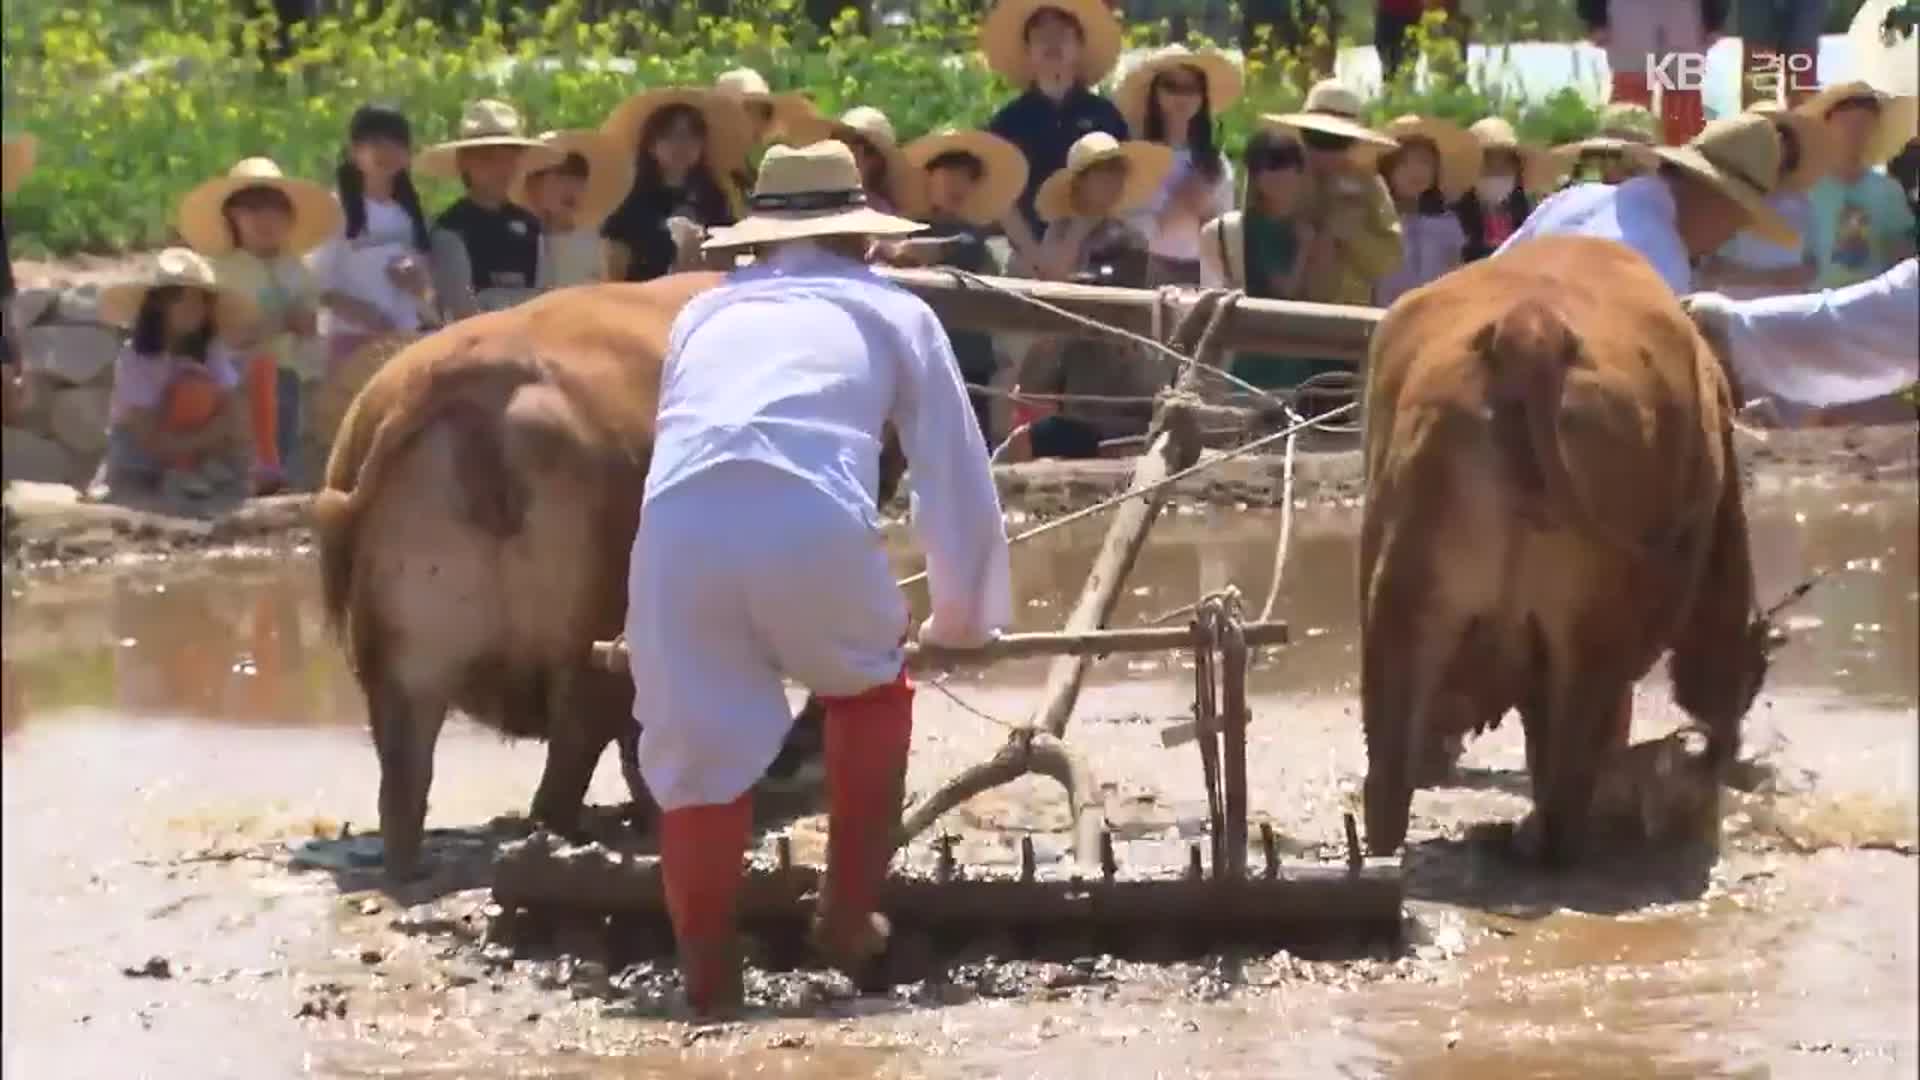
x=256 y=225
x=571 y=200
x=1751 y=265
x=686 y=145
x=374 y=272
x=17 y=162
x=486 y=249
x=1356 y=229
x=1171 y=97
x=1263 y=249
x=1620 y=150
x=1862 y=224
x=1512 y=175
x=1702 y=194
x=756 y=558
x=1053 y=51
x=1434 y=166
x=968 y=181
x=176 y=424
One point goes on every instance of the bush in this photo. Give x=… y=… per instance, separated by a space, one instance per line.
x=134 y=104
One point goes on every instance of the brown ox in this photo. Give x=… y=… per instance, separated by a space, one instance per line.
x=480 y=506
x=1552 y=502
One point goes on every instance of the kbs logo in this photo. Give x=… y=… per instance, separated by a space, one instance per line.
x=1771 y=74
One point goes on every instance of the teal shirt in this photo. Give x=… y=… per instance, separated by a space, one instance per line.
x=1272 y=245
x=1860 y=229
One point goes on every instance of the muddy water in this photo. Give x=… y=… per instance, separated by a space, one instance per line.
x=171 y=729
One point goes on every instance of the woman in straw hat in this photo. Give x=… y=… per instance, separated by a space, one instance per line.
x=891 y=180
x=486 y=249
x=1512 y=175
x=374 y=272
x=1356 y=229
x=1435 y=165
x=257 y=226
x=1862 y=223
x=686 y=145
x=571 y=199
x=1701 y=194
x=968 y=181
x=16 y=161
x=1054 y=52
x=1171 y=97
x=757 y=558
x=1263 y=249
x=175 y=422
x=1620 y=150
x=1751 y=265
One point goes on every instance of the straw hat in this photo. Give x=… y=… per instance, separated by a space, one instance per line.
x=609 y=172
x=1568 y=155
x=1003 y=37
x=748 y=87
x=871 y=126
x=813 y=191
x=1002 y=179
x=1739 y=156
x=177 y=267
x=1628 y=122
x=202 y=219
x=1817 y=148
x=1332 y=109
x=1899 y=116
x=483 y=123
x=1224 y=81
x=729 y=132
x=17 y=161
x=1459 y=152
x=1147 y=166
x=1538 y=168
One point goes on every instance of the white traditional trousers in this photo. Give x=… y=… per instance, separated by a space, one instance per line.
x=740 y=575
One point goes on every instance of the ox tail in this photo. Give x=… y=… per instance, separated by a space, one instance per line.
x=469 y=401
x=1528 y=351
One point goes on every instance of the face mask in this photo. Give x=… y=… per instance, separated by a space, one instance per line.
x=1493 y=189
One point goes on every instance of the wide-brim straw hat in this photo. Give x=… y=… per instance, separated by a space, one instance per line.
x=1539 y=169
x=1818 y=148
x=202 y=219
x=180 y=268
x=1332 y=109
x=749 y=87
x=483 y=123
x=1003 y=173
x=729 y=130
x=1899 y=116
x=1003 y=37
x=807 y=193
x=610 y=171
x=1628 y=122
x=1225 y=83
x=1147 y=166
x=872 y=127
x=1567 y=155
x=17 y=155
x=1458 y=151
x=1738 y=156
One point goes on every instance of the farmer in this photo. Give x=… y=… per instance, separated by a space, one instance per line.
x=1054 y=50
x=486 y=250
x=1700 y=196
x=892 y=183
x=1824 y=349
x=759 y=556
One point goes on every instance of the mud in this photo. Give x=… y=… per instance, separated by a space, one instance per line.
x=188 y=890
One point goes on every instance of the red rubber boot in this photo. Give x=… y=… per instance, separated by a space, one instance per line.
x=700 y=852
x=868 y=735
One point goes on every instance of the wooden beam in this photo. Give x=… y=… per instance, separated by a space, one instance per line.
x=1280 y=327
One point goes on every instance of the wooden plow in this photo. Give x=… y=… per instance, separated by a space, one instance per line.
x=1207 y=902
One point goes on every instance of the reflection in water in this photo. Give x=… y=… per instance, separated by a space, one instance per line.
x=241 y=641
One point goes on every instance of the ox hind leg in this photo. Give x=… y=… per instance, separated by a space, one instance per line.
x=406 y=728
x=584 y=713
x=1573 y=729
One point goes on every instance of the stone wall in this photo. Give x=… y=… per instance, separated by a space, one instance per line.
x=68 y=353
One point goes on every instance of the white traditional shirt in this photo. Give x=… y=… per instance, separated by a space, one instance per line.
x=1639 y=213
x=1833 y=347
x=797 y=363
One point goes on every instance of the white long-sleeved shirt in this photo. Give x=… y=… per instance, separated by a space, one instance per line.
x=797 y=363
x=1832 y=347
x=1639 y=213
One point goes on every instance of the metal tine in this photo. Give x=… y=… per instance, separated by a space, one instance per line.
x=1193 y=863
x=1354 y=859
x=783 y=851
x=1109 y=865
x=1026 y=859
x=1270 y=850
x=945 y=868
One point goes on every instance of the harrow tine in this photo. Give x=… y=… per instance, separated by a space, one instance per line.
x=1026 y=859
x=1271 y=852
x=1109 y=866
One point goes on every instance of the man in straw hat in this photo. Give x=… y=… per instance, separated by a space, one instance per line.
x=1054 y=51
x=16 y=163
x=1357 y=237
x=1700 y=196
x=1751 y=265
x=758 y=558
x=571 y=199
x=486 y=249
x=1862 y=223
x=1827 y=349
x=891 y=181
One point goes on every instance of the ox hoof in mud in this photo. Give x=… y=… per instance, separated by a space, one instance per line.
x=1659 y=795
